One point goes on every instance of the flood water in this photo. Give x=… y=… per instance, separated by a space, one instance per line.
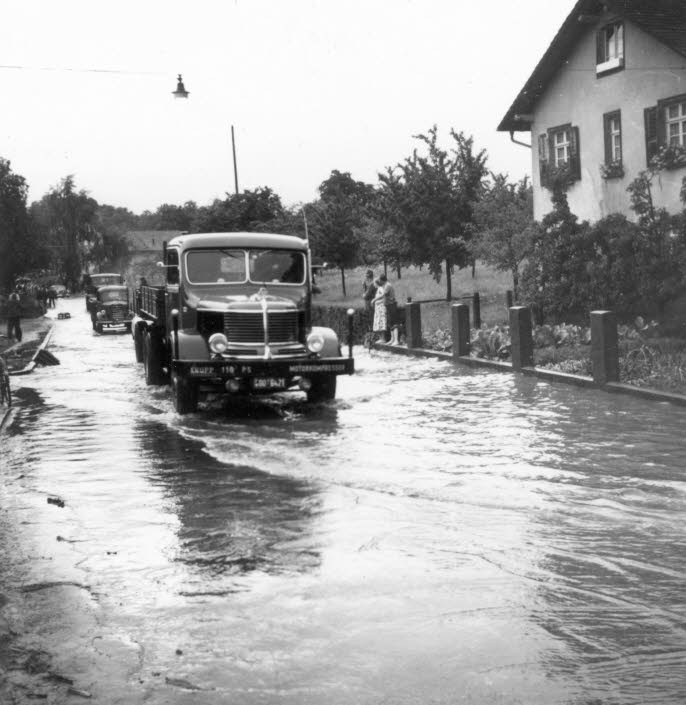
x=435 y=535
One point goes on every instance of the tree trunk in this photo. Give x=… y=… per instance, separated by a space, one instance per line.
x=448 y=281
x=397 y=269
x=473 y=268
x=515 y=284
x=385 y=268
x=343 y=280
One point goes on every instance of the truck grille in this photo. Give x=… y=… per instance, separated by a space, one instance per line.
x=248 y=327
x=119 y=313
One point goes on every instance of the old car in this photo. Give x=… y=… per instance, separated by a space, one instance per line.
x=111 y=309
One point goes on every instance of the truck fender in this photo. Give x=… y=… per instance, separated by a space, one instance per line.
x=192 y=346
x=331 y=347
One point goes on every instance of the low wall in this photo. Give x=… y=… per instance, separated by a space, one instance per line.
x=604 y=352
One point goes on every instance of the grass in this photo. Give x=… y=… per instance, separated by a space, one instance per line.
x=420 y=285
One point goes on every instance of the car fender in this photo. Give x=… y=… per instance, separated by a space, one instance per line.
x=331 y=347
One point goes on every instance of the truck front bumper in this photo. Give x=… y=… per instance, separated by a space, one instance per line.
x=288 y=369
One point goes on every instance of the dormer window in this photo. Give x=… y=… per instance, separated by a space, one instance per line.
x=610 y=48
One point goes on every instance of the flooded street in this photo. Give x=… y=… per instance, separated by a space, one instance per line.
x=435 y=535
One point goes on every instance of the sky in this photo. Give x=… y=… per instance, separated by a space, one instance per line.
x=309 y=86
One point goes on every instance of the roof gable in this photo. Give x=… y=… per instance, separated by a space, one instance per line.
x=665 y=20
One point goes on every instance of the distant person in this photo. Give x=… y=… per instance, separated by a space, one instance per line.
x=13 y=308
x=368 y=289
x=52 y=296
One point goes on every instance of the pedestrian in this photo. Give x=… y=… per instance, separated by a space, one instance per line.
x=51 y=298
x=13 y=308
x=384 y=306
x=368 y=289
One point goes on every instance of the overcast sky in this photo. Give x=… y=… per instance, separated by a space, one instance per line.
x=309 y=86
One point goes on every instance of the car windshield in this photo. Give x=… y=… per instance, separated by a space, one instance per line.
x=277 y=266
x=114 y=295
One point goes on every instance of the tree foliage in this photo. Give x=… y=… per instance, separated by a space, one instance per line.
x=17 y=242
x=505 y=223
x=431 y=198
x=243 y=212
x=335 y=220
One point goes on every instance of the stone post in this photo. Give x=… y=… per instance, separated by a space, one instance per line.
x=476 y=303
x=522 y=338
x=604 y=348
x=509 y=299
x=413 y=325
x=460 y=329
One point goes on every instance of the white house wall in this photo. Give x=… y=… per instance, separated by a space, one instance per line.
x=652 y=72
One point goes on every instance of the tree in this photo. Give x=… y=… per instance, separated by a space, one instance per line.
x=17 y=243
x=245 y=211
x=67 y=219
x=505 y=223
x=336 y=219
x=431 y=199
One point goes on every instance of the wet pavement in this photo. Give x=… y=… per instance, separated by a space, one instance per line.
x=435 y=535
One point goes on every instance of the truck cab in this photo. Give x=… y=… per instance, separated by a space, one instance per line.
x=95 y=281
x=235 y=317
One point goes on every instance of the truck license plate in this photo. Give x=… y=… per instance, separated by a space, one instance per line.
x=268 y=383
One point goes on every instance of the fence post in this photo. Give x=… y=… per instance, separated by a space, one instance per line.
x=522 y=338
x=460 y=329
x=413 y=324
x=509 y=299
x=476 y=303
x=604 y=348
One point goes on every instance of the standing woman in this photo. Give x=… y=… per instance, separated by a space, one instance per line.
x=380 y=302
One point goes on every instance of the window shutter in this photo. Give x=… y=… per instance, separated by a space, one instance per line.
x=650 y=120
x=575 y=154
x=543 y=158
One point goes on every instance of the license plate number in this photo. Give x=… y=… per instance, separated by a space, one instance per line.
x=268 y=383
x=200 y=371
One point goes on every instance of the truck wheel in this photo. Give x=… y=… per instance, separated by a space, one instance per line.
x=127 y=326
x=138 y=344
x=98 y=328
x=152 y=358
x=185 y=394
x=323 y=388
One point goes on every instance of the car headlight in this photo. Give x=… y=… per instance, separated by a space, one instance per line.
x=315 y=342
x=218 y=343
x=101 y=314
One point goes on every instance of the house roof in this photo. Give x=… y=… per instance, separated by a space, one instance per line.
x=149 y=240
x=663 y=19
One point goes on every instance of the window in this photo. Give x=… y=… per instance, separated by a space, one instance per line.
x=610 y=48
x=665 y=131
x=676 y=124
x=558 y=151
x=612 y=124
x=172 y=266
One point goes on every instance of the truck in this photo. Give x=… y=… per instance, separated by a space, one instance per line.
x=111 y=308
x=94 y=282
x=234 y=317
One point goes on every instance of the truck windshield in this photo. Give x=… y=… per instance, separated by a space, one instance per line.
x=114 y=295
x=277 y=266
x=215 y=266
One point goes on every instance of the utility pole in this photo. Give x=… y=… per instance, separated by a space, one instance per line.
x=235 y=168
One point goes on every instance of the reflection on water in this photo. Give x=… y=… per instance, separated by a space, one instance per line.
x=437 y=534
x=232 y=519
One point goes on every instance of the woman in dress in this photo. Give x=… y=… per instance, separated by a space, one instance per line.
x=383 y=300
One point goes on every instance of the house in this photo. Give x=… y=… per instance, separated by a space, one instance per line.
x=608 y=95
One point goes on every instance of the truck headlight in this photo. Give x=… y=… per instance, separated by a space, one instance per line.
x=315 y=342
x=218 y=343
x=101 y=314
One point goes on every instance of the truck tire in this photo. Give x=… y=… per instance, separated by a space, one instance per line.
x=127 y=327
x=153 y=356
x=185 y=394
x=138 y=343
x=323 y=388
x=98 y=328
